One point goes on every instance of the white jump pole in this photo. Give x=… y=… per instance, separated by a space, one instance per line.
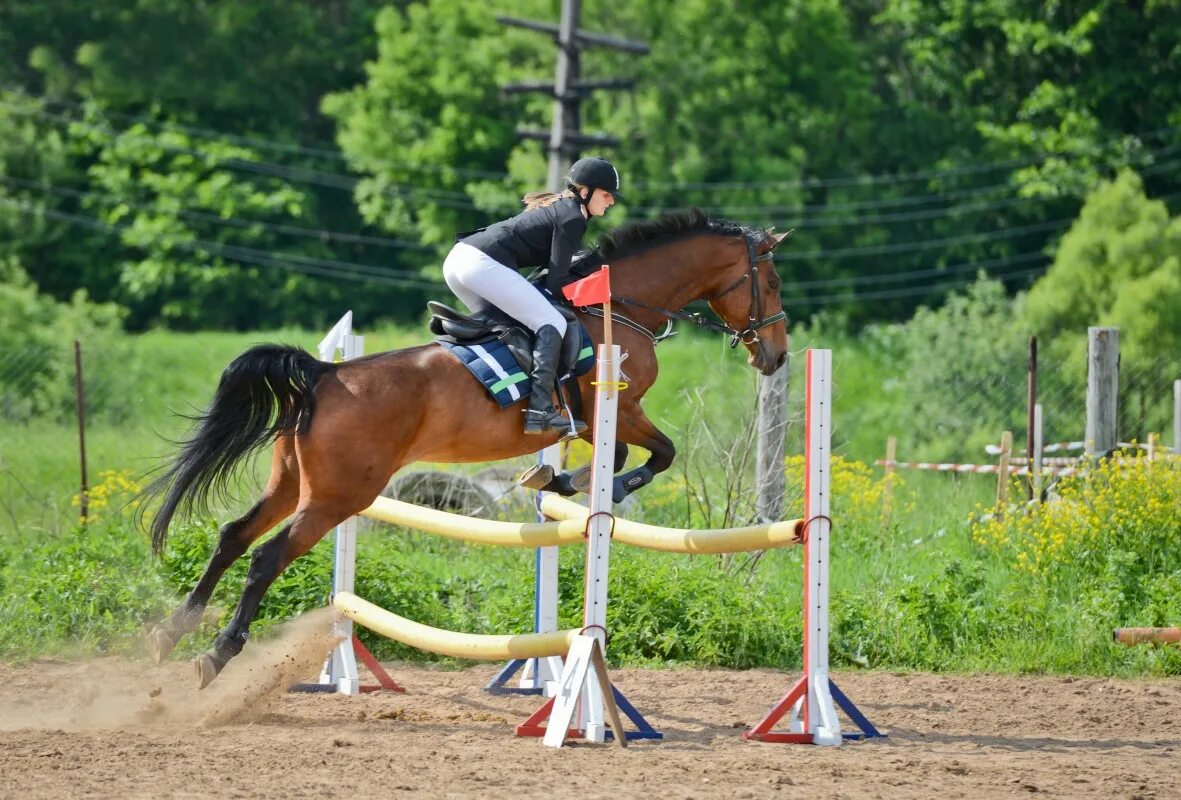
x=341 y=668
x=599 y=524
x=539 y=673
x=819 y=716
x=581 y=691
x=812 y=701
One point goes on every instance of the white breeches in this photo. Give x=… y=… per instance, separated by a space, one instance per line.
x=478 y=280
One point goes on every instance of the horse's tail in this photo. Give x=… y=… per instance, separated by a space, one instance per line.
x=265 y=392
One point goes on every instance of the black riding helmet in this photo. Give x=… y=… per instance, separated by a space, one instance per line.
x=595 y=173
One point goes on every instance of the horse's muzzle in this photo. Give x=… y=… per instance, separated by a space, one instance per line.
x=761 y=360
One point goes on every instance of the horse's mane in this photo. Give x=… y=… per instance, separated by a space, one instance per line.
x=637 y=236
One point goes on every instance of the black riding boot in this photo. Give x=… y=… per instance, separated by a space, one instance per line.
x=541 y=416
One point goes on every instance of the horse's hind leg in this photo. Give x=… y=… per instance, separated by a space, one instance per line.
x=276 y=504
x=308 y=526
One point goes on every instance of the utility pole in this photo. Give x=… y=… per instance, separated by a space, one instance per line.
x=565 y=139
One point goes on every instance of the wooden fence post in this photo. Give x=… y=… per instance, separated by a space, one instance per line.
x=888 y=484
x=1002 y=475
x=1030 y=406
x=80 y=404
x=1177 y=418
x=770 y=479
x=1035 y=465
x=1102 y=390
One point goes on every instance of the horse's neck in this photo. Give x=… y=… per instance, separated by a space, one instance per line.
x=673 y=275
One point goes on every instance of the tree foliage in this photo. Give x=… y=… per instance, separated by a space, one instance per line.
x=1119 y=265
x=910 y=144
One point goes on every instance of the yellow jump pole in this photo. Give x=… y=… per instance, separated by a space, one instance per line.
x=449 y=643
x=684 y=540
x=471 y=529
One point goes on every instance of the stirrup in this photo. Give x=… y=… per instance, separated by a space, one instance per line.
x=550 y=420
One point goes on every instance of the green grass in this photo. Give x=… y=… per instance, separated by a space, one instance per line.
x=918 y=593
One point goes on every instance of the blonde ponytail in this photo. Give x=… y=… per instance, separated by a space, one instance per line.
x=542 y=199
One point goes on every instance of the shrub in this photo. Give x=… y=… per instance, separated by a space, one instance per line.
x=1103 y=554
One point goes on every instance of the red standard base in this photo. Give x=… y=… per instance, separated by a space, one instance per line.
x=533 y=726
x=384 y=681
x=763 y=733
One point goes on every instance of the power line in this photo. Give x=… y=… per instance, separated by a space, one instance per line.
x=853 y=281
x=999 y=189
x=348 y=182
x=234 y=222
x=953 y=211
x=333 y=180
x=320 y=151
x=887 y=179
x=863 y=280
x=313 y=266
x=929 y=272
x=877 y=179
x=888 y=294
x=848 y=180
x=925 y=244
x=374 y=275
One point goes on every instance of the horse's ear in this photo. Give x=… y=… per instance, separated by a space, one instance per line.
x=778 y=238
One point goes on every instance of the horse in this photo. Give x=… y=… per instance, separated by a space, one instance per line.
x=340 y=431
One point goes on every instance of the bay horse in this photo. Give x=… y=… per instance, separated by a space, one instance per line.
x=340 y=431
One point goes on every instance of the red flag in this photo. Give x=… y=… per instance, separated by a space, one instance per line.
x=590 y=291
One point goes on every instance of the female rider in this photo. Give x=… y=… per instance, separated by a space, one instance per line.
x=481 y=270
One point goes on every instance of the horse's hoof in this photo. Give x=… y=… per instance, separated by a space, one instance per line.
x=580 y=479
x=537 y=477
x=206 y=669
x=160 y=643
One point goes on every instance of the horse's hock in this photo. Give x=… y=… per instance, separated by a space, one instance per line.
x=443 y=491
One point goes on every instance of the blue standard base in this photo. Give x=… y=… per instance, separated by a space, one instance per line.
x=868 y=731
x=643 y=729
x=499 y=683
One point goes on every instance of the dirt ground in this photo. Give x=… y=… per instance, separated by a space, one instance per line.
x=118 y=728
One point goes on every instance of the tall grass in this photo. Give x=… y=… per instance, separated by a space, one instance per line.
x=925 y=590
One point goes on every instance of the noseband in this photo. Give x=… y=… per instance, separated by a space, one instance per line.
x=755 y=319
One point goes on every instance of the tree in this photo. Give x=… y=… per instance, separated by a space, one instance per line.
x=1119 y=265
x=428 y=121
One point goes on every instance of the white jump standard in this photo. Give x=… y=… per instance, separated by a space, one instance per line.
x=810 y=701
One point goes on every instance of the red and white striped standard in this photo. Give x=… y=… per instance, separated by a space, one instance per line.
x=984 y=469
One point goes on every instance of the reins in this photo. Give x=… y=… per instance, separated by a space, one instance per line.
x=747 y=335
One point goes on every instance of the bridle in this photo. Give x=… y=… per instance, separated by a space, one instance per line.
x=755 y=318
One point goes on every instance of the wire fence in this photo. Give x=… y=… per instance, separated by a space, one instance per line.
x=40 y=381
x=965 y=420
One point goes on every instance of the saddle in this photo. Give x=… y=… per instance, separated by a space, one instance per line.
x=455 y=327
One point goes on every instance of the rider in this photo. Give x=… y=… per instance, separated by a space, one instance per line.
x=481 y=270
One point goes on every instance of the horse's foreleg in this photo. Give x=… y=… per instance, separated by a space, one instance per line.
x=635 y=428
x=267 y=562
x=276 y=504
x=545 y=478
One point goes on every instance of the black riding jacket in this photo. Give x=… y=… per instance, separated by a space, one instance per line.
x=542 y=237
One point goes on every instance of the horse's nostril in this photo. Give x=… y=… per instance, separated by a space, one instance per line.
x=782 y=359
